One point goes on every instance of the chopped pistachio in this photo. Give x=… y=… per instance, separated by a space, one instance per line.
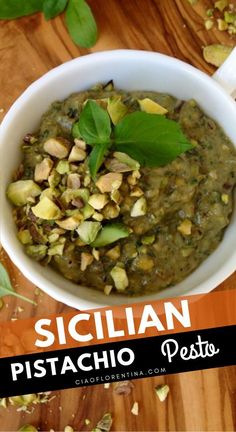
x=120 y=278
x=135 y=409
x=216 y=54
x=102 y=102
x=50 y=193
x=109 y=182
x=232 y=29
x=209 y=24
x=87 y=422
x=185 y=227
x=80 y=143
x=28 y=428
x=42 y=170
x=111 y=211
x=73 y=181
x=116 y=196
x=132 y=179
x=23 y=400
x=56 y=249
x=105 y=423
x=116 y=166
x=21 y=191
x=136 y=174
x=52 y=238
x=149 y=106
x=86 y=260
x=116 y=109
x=74 y=168
x=79 y=242
x=148 y=240
x=57 y=147
x=3 y=402
x=96 y=254
x=70 y=194
x=213 y=174
x=109 y=234
x=98 y=201
x=123 y=387
x=73 y=212
x=139 y=208
x=78 y=203
x=77 y=154
x=222 y=25
x=127 y=160
x=210 y=12
x=87 y=211
x=114 y=253
x=186 y=252
x=46 y=209
x=24 y=236
x=221 y=5
x=58 y=231
x=97 y=216
x=109 y=86
x=162 y=391
x=107 y=289
x=136 y=192
x=225 y=198
x=70 y=223
x=63 y=167
x=88 y=231
x=16 y=400
x=230 y=17
x=87 y=180
x=38 y=252
x=54 y=179
x=144 y=262
x=68 y=429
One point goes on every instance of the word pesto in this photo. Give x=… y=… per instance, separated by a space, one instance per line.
x=152 y=140
x=79 y=19
x=79 y=326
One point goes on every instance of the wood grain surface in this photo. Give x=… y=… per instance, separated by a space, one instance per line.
x=29 y=47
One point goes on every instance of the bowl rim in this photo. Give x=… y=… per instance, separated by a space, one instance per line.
x=38 y=278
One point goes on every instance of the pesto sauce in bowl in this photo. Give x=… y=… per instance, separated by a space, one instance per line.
x=188 y=201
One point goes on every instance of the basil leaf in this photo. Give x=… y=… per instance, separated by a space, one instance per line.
x=151 y=139
x=75 y=130
x=4 y=277
x=110 y=233
x=52 y=8
x=81 y=23
x=6 y=287
x=11 y=9
x=94 y=125
x=96 y=158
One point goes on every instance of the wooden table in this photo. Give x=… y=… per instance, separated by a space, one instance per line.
x=29 y=47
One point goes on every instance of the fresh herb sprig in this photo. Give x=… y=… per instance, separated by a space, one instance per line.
x=6 y=287
x=151 y=139
x=79 y=18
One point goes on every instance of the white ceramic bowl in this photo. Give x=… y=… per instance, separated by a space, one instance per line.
x=130 y=70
